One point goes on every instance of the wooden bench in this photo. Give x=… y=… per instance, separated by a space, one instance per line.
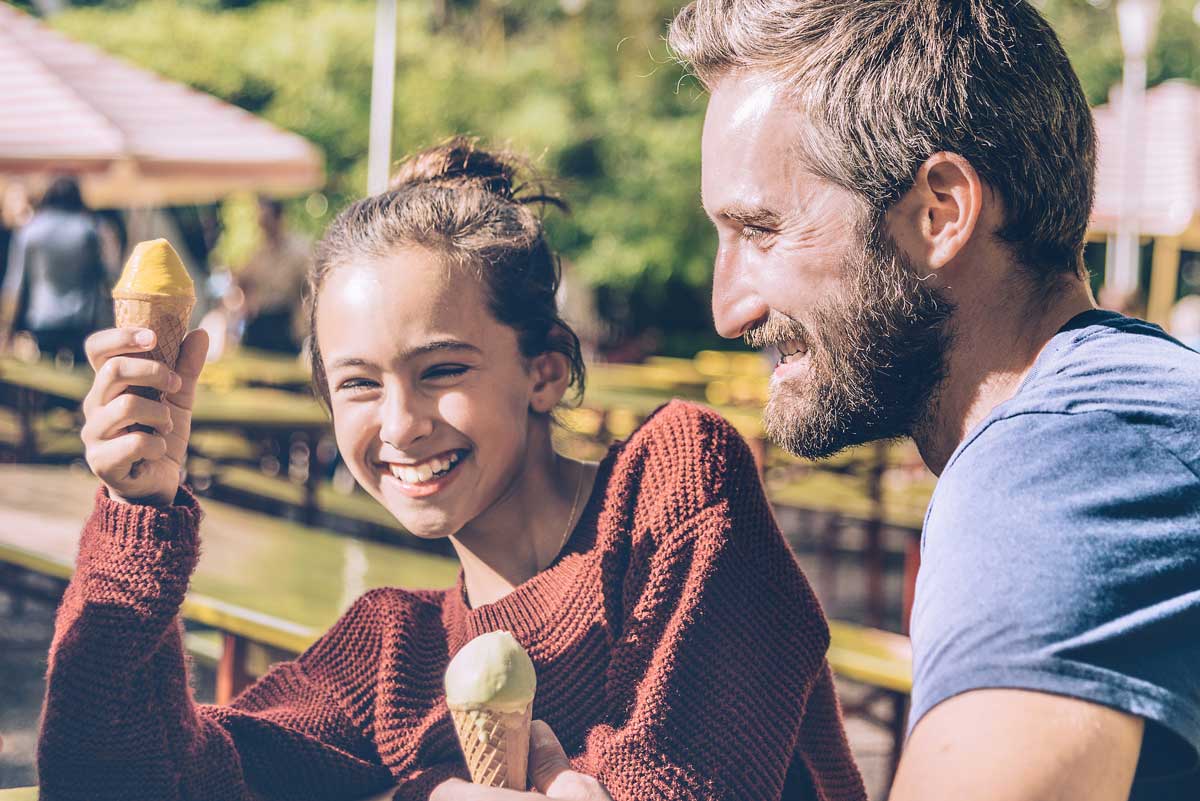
x=882 y=660
x=261 y=582
x=285 y=418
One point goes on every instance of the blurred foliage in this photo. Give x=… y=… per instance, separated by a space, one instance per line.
x=584 y=86
x=240 y=231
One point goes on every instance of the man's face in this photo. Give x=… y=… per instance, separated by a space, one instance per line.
x=804 y=266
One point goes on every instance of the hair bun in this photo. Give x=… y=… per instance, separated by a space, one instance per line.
x=459 y=161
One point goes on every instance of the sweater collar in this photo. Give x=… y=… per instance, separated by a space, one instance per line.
x=526 y=611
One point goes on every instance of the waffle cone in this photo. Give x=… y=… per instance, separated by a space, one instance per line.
x=495 y=743
x=166 y=315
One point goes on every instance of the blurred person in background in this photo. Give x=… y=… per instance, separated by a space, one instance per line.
x=272 y=282
x=15 y=211
x=1185 y=321
x=56 y=287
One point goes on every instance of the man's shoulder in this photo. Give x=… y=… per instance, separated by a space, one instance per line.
x=1121 y=365
x=1103 y=401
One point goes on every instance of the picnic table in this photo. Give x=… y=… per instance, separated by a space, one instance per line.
x=33 y=387
x=248 y=367
x=259 y=580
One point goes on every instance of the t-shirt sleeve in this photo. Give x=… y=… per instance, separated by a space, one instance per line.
x=1062 y=554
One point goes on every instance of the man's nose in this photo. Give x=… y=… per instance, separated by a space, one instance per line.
x=736 y=303
x=405 y=420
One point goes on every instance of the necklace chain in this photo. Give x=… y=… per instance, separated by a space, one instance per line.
x=574 y=508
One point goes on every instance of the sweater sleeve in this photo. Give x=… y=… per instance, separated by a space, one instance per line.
x=119 y=721
x=722 y=645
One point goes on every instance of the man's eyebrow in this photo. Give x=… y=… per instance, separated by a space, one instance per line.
x=755 y=216
x=437 y=345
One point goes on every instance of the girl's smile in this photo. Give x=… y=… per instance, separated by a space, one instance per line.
x=422 y=479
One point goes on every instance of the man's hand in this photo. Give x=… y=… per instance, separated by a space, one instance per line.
x=1016 y=745
x=550 y=774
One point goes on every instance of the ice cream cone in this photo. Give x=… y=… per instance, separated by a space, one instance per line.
x=155 y=292
x=495 y=744
x=490 y=685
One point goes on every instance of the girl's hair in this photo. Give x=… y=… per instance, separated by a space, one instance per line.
x=477 y=209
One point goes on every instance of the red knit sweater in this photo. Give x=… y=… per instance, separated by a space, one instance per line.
x=680 y=655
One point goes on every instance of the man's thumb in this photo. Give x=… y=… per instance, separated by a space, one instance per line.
x=547 y=760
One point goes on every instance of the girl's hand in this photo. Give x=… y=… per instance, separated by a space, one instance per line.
x=139 y=466
x=550 y=773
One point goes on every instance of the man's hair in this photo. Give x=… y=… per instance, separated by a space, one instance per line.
x=885 y=84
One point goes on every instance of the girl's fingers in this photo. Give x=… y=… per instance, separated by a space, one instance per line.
x=103 y=345
x=110 y=420
x=192 y=354
x=119 y=373
x=112 y=461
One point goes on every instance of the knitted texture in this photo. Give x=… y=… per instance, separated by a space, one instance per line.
x=680 y=655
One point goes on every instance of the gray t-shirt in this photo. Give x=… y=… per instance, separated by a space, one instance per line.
x=1061 y=550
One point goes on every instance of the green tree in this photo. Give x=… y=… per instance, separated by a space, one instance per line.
x=584 y=87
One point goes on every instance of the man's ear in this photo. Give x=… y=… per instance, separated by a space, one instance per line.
x=935 y=219
x=551 y=372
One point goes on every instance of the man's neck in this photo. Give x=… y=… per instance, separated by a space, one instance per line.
x=995 y=345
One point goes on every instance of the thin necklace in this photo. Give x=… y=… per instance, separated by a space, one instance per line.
x=574 y=508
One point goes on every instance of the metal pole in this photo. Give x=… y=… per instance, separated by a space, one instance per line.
x=1137 y=22
x=1124 y=276
x=383 y=83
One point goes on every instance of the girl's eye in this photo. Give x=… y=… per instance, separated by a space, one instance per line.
x=444 y=371
x=355 y=385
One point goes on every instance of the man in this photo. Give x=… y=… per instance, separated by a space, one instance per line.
x=901 y=192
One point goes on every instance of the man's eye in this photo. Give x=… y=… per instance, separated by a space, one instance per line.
x=444 y=371
x=753 y=233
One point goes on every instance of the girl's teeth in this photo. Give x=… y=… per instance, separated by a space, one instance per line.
x=424 y=472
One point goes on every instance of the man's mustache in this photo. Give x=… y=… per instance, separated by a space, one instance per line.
x=778 y=327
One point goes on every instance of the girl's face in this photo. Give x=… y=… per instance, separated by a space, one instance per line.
x=431 y=397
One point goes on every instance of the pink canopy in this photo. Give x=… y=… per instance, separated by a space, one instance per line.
x=132 y=137
x=1169 y=198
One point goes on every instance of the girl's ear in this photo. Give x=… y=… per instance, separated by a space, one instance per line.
x=551 y=373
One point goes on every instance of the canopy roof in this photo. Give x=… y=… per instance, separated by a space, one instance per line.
x=1169 y=202
x=133 y=138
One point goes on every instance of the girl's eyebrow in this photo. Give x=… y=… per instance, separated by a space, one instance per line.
x=435 y=346
x=438 y=345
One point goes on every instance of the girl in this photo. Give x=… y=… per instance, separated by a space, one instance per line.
x=679 y=651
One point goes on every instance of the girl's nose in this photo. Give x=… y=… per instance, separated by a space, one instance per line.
x=404 y=421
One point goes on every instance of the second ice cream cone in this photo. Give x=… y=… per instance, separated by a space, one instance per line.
x=495 y=744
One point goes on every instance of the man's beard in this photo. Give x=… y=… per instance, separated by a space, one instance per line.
x=876 y=356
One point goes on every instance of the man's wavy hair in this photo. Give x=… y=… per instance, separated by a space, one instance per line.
x=885 y=84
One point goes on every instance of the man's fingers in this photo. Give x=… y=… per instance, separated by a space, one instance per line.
x=459 y=790
x=546 y=756
x=550 y=771
x=103 y=345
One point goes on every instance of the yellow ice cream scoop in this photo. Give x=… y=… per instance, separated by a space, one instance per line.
x=154 y=268
x=491 y=670
x=155 y=292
